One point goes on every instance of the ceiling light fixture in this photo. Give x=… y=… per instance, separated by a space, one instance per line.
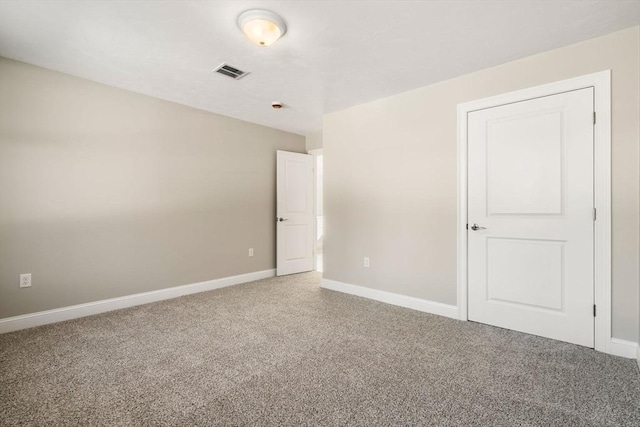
x=262 y=27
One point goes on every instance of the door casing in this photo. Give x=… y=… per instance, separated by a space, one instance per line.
x=601 y=82
x=315 y=153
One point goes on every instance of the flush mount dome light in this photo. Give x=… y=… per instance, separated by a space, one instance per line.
x=261 y=26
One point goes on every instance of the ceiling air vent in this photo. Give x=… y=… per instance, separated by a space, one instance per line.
x=230 y=71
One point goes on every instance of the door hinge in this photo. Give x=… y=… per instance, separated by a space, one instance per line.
x=594 y=117
x=467 y=226
x=595 y=214
x=594 y=310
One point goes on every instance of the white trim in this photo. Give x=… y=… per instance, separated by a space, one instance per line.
x=623 y=348
x=25 y=321
x=315 y=153
x=461 y=248
x=602 y=201
x=601 y=82
x=413 y=303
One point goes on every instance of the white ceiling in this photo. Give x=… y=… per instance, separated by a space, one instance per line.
x=335 y=54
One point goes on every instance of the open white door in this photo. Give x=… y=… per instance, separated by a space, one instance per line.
x=295 y=218
x=531 y=216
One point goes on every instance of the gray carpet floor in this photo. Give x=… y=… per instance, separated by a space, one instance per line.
x=282 y=351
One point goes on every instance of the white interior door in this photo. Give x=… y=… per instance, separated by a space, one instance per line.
x=531 y=213
x=295 y=218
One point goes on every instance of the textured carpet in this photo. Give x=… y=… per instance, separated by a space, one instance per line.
x=285 y=352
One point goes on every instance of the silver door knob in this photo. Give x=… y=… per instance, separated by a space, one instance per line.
x=282 y=219
x=476 y=227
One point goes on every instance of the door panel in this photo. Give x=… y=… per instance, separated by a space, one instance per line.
x=296 y=241
x=295 y=216
x=530 y=182
x=296 y=198
x=531 y=187
x=526 y=272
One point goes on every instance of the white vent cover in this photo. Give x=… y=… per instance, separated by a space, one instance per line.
x=229 y=71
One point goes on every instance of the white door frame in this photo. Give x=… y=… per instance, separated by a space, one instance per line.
x=601 y=82
x=315 y=153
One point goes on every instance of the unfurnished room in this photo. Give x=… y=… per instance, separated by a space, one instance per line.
x=320 y=213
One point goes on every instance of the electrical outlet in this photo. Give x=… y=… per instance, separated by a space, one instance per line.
x=366 y=261
x=250 y=251
x=25 y=280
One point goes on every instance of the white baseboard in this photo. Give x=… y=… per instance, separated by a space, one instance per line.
x=623 y=348
x=395 y=299
x=31 y=320
x=617 y=347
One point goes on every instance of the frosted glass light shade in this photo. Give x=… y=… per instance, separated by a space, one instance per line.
x=261 y=26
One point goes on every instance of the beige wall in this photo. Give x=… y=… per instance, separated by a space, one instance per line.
x=314 y=141
x=390 y=176
x=105 y=192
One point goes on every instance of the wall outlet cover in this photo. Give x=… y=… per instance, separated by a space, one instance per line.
x=25 y=280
